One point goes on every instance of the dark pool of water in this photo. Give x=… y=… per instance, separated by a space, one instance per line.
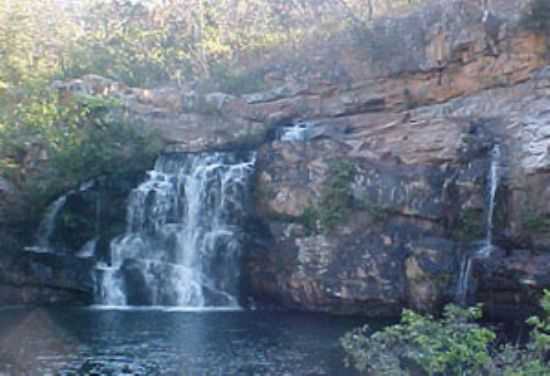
x=75 y=341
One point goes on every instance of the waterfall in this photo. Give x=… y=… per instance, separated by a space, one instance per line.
x=297 y=132
x=46 y=227
x=494 y=179
x=182 y=243
x=486 y=248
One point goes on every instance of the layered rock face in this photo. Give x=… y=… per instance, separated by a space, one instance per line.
x=395 y=226
x=373 y=157
x=419 y=137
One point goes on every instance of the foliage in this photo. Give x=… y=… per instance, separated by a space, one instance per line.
x=121 y=41
x=537 y=224
x=336 y=196
x=541 y=332
x=310 y=219
x=233 y=81
x=144 y=43
x=104 y=149
x=335 y=201
x=225 y=44
x=33 y=40
x=452 y=346
x=469 y=226
x=68 y=143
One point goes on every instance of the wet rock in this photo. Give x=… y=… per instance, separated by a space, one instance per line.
x=10 y=202
x=42 y=278
x=431 y=271
x=96 y=213
x=511 y=284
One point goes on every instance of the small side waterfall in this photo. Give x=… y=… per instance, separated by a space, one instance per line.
x=183 y=237
x=487 y=246
x=47 y=225
x=298 y=132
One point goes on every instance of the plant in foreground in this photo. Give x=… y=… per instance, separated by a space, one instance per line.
x=454 y=345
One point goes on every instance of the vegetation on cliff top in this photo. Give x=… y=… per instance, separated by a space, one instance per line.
x=454 y=345
x=148 y=42
x=224 y=45
x=48 y=146
x=219 y=45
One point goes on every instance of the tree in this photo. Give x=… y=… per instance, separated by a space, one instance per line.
x=33 y=40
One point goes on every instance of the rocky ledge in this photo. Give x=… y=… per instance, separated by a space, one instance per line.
x=45 y=278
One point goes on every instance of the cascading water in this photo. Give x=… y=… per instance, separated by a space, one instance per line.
x=295 y=133
x=487 y=246
x=183 y=238
x=47 y=225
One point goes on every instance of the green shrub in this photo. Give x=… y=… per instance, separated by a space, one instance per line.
x=310 y=220
x=77 y=140
x=108 y=149
x=335 y=202
x=228 y=80
x=537 y=224
x=451 y=346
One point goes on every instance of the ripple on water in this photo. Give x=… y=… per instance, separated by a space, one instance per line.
x=160 y=342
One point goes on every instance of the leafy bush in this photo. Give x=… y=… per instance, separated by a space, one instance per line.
x=335 y=201
x=109 y=149
x=451 y=346
x=336 y=196
x=538 y=224
x=48 y=146
x=310 y=219
x=229 y=80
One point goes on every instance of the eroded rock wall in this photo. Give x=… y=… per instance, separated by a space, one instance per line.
x=419 y=137
x=32 y=278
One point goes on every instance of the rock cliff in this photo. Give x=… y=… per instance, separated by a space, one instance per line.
x=32 y=278
x=373 y=157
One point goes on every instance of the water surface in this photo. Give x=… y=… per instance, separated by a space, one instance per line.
x=78 y=341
